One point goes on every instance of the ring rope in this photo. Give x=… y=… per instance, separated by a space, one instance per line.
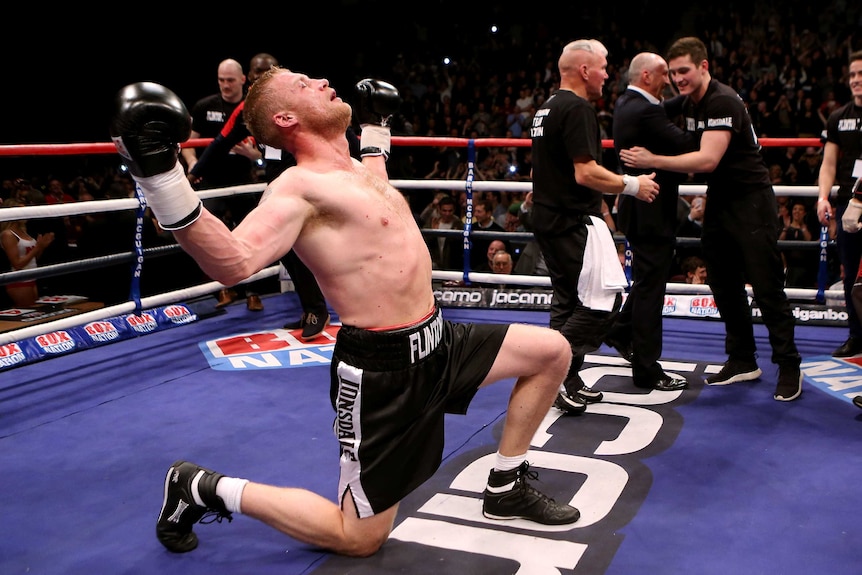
x=471 y=184
x=128 y=307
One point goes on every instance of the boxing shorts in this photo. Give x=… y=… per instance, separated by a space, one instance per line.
x=390 y=391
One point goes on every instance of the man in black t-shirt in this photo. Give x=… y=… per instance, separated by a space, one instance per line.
x=842 y=165
x=209 y=116
x=568 y=183
x=740 y=230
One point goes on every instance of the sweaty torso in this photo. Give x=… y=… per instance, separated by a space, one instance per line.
x=359 y=238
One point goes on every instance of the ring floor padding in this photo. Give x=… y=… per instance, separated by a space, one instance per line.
x=711 y=480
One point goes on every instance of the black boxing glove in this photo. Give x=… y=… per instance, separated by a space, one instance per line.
x=378 y=100
x=148 y=124
x=147 y=127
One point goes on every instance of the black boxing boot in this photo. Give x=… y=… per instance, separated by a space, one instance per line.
x=509 y=496
x=179 y=511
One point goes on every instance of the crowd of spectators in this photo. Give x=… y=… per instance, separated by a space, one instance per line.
x=95 y=235
x=787 y=61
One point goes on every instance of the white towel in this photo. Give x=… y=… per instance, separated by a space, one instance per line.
x=602 y=276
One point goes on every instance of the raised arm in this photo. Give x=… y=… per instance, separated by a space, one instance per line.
x=378 y=101
x=147 y=127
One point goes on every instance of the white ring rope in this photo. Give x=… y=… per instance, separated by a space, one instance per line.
x=128 y=307
x=96 y=206
x=115 y=205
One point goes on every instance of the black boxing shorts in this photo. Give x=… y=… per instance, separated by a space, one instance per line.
x=390 y=391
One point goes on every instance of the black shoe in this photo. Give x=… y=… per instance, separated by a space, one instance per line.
x=664 y=383
x=589 y=395
x=179 y=510
x=851 y=347
x=314 y=325
x=623 y=348
x=582 y=392
x=789 y=383
x=569 y=403
x=734 y=370
x=857 y=401
x=296 y=324
x=519 y=500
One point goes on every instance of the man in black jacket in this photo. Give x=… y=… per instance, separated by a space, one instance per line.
x=650 y=228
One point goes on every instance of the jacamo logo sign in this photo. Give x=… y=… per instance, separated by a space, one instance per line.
x=276 y=349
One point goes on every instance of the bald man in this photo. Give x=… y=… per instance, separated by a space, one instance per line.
x=568 y=183
x=650 y=228
x=209 y=115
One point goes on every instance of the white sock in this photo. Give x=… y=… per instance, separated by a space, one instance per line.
x=508 y=463
x=230 y=491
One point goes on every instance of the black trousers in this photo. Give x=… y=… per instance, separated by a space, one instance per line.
x=640 y=320
x=310 y=297
x=850 y=252
x=584 y=328
x=740 y=246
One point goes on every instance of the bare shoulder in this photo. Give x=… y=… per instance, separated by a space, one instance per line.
x=319 y=191
x=295 y=182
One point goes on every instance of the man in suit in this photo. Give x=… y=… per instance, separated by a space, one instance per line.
x=650 y=228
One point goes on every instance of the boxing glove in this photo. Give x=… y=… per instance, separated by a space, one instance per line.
x=148 y=124
x=147 y=127
x=378 y=100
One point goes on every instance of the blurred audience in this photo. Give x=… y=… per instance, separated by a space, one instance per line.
x=787 y=62
x=21 y=251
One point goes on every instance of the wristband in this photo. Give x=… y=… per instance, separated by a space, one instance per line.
x=375 y=141
x=172 y=198
x=632 y=185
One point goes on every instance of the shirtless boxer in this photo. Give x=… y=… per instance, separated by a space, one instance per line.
x=393 y=349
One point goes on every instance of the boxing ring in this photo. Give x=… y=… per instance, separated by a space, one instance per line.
x=703 y=480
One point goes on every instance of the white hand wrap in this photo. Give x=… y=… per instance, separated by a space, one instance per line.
x=172 y=198
x=632 y=185
x=850 y=219
x=375 y=141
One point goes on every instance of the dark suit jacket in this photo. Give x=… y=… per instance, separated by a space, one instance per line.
x=638 y=122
